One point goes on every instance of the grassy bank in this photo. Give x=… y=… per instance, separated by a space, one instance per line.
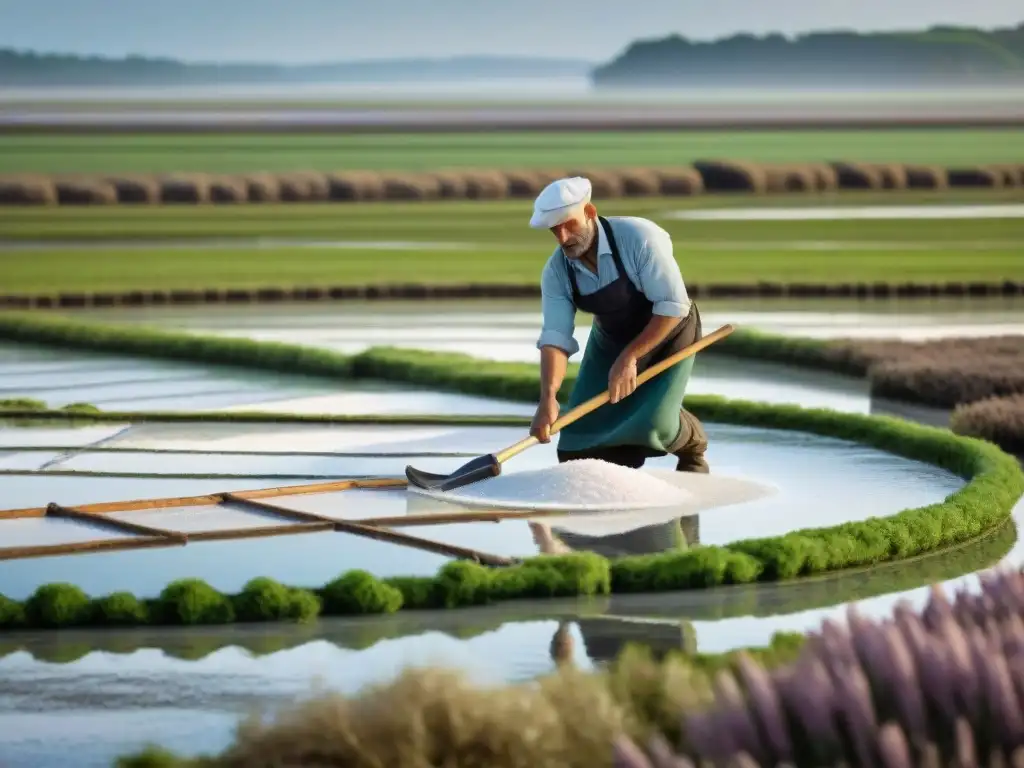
x=484 y=242
x=943 y=373
x=197 y=643
x=995 y=478
x=226 y=153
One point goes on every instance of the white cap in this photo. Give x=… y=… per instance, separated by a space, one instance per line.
x=557 y=201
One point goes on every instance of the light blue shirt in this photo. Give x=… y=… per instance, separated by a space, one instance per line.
x=646 y=253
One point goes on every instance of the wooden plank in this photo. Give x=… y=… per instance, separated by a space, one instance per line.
x=136 y=505
x=274 y=509
x=360 y=528
x=259 y=532
x=475 y=516
x=103 y=521
x=86 y=547
x=139 y=505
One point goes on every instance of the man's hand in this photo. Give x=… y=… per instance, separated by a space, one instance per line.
x=622 y=377
x=546 y=415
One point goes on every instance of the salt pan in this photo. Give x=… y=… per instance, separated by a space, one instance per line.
x=584 y=484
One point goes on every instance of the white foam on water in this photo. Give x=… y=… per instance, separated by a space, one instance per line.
x=838 y=213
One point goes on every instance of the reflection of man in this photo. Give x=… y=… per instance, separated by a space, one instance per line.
x=606 y=637
x=622 y=271
x=677 y=534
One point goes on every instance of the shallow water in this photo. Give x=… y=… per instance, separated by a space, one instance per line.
x=186 y=688
x=112 y=703
x=117 y=383
x=508 y=329
x=860 y=482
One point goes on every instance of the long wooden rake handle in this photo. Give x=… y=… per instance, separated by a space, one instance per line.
x=597 y=401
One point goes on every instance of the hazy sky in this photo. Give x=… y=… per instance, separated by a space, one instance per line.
x=333 y=30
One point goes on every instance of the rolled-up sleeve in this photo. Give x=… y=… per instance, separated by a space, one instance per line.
x=660 y=278
x=559 y=312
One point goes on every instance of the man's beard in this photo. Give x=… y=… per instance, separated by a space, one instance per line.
x=579 y=245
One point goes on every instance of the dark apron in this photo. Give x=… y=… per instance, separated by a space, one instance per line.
x=648 y=422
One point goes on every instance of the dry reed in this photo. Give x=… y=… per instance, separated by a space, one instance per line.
x=228 y=189
x=605 y=182
x=185 y=189
x=355 y=186
x=27 y=190
x=485 y=184
x=999 y=420
x=926 y=177
x=863 y=176
x=644 y=182
x=261 y=188
x=85 y=191
x=135 y=190
x=728 y=176
x=681 y=181
x=303 y=187
x=975 y=177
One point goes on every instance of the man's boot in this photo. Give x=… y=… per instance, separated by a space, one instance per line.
x=690 y=446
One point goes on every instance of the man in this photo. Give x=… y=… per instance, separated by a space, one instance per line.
x=623 y=272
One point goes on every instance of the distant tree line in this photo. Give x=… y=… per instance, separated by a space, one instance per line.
x=28 y=68
x=940 y=55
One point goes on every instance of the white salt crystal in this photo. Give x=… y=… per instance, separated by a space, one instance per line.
x=586 y=483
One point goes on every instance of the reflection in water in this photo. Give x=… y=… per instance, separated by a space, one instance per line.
x=922 y=414
x=605 y=637
x=676 y=534
x=185 y=687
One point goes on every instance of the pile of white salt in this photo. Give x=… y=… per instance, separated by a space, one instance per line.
x=583 y=484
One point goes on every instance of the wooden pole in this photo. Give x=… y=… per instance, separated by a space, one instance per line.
x=361 y=528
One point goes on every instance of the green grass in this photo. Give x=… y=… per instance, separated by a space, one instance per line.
x=809 y=594
x=416 y=151
x=497 y=245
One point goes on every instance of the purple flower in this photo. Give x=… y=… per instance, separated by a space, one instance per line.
x=893 y=751
x=853 y=696
x=907 y=689
x=767 y=709
x=662 y=755
x=626 y=754
x=740 y=722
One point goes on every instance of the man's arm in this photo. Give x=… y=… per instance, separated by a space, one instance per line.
x=553 y=363
x=556 y=344
x=655 y=332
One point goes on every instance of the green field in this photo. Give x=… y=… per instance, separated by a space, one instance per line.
x=236 y=153
x=476 y=242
